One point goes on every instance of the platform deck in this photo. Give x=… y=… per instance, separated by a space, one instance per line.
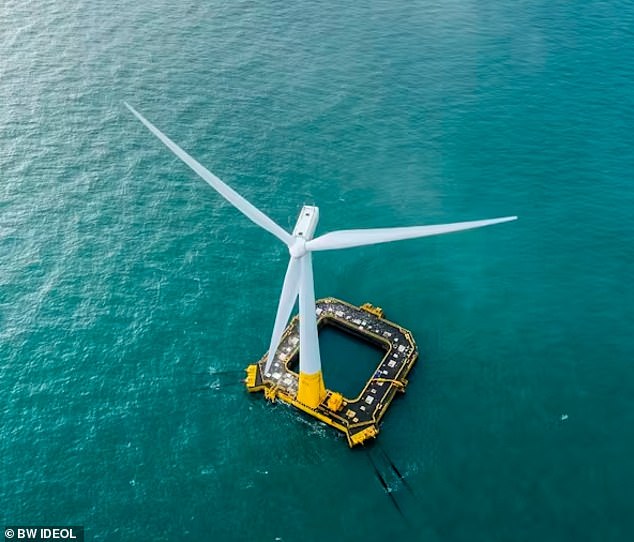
x=357 y=417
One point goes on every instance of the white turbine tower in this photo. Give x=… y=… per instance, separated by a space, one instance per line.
x=299 y=274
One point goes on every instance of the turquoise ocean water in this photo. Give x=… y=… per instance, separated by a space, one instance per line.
x=126 y=282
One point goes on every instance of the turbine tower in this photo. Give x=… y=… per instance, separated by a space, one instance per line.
x=299 y=273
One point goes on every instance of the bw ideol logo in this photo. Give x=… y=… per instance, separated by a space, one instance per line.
x=38 y=533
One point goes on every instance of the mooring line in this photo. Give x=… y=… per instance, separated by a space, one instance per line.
x=395 y=469
x=386 y=488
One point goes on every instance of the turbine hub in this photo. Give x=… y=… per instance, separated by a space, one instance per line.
x=298 y=248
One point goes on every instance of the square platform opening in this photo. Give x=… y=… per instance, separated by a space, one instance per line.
x=347 y=361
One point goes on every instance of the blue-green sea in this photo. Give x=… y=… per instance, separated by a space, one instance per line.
x=132 y=295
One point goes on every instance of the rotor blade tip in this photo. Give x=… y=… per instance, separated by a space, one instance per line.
x=504 y=219
x=134 y=112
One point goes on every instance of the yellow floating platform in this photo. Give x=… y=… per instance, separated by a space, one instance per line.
x=357 y=418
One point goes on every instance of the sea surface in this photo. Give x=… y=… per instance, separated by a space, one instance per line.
x=132 y=296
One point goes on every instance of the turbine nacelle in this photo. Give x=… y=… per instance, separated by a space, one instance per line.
x=303 y=231
x=306 y=222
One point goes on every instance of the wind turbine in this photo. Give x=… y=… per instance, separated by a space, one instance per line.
x=299 y=273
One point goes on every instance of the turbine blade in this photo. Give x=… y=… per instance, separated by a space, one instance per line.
x=249 y=210
x=357 y=238
x=309 y=360
x=290 y=290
